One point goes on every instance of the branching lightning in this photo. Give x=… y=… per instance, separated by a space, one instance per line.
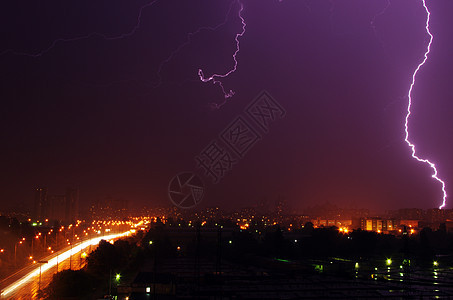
x=409 y=95
x=131 y=32
x=216 y=78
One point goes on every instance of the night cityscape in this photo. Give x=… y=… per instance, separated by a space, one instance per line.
x=228 y=149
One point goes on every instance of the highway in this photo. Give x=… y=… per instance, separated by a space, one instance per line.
x=26 y=283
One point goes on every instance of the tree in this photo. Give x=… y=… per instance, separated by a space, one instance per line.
x=69 y=283
x=105 y=258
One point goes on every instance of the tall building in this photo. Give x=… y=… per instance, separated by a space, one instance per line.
x=72 y=205
x=40 y=207
x=57 y=205
x=62 y=208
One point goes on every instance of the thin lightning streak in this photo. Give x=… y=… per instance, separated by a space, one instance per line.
x=373 y=25
x=187 y=42
x=164 y=62
x=331 y=13
x=409 y=95
x=105 y=37
x=214 y=78
x=378 y=15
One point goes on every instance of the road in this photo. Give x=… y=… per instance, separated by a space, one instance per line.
x=26 y=283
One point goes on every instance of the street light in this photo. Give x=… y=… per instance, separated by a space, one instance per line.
x=32 y=240
x=15 y=251
x=40 y=264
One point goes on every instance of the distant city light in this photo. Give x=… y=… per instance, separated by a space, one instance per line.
x=388 y=261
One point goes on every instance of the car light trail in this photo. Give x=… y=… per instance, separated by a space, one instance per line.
x=60 y=257
x=409 y=96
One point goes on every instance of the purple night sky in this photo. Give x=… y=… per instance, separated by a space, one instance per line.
x=94 y=99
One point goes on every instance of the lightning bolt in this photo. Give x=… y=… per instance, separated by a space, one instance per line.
x=84 y=37
x=409 y=96
x=216 y=78
x=131 y=32
x=187 y=42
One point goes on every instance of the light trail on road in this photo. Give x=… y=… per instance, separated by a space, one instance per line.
x=41 y=268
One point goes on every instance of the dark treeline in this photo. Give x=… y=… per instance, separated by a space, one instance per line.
x=239 y=246
x=99 y=274
x=308 y=242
